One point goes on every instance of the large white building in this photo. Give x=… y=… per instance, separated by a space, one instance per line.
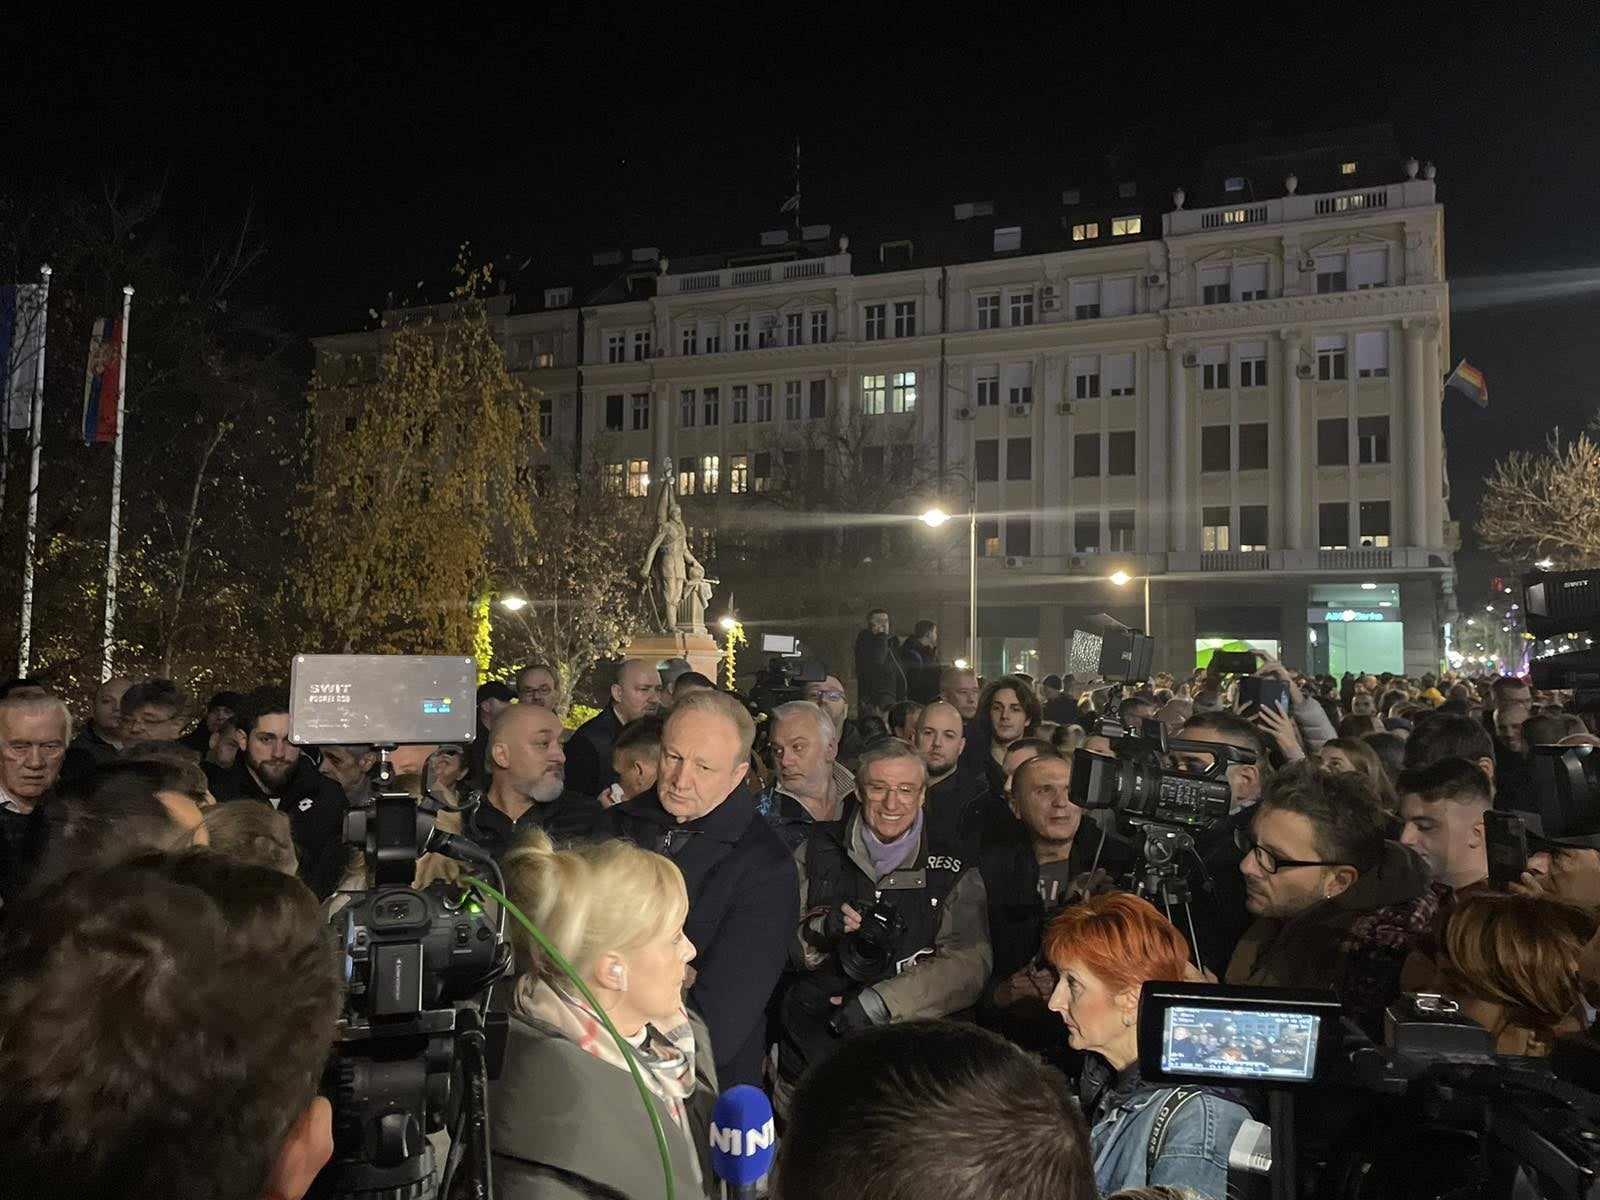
x=1238 y=401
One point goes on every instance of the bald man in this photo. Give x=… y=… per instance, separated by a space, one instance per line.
x=528 y=787
x=635 y=692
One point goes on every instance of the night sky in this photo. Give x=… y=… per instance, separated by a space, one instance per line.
x=371 y=147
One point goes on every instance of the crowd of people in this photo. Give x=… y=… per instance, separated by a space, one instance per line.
x=899 y=914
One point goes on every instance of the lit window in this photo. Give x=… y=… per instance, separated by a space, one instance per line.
x=546 y=359
x=613 y=478
x=1347 y=168
x=688 y=477
x=739 y=474
x=874 y=394
x=1086 y=232
x=1126 y=226
x=904 y=399
x=710 y=474
x=638 y=477
x=989 y=311
x=1214 y=529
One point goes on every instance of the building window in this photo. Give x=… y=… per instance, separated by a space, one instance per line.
x=819 y=326
x=613 y=478
x=1374 y=523
x=638 y=477
x=1372 y=440
x=739 y=474
x=793 y=328
x=557 y=297
x=819 y=399
x=1022 y=308
x=1086 y=533
x=1019 y=536
x=1019 y=458
x=1126 y=226
x=792 y=409
x=761 y=476
x=711 y=336
x=688 y=477
x=741 y=335
x=741 y=404
x=614 y=414
x=1347 y=168
x=1120 y=452
x=874 y=323
x=1253 y=446
x=763 y=402
x=1372 y=354
x=989 y=539
x=874 y=395
x=1216 y=447
x=1086 y=379
x=905 y=318
x=1333 y=448
x=1330 y=274
x=1122 y=529
x=904 y=396
x=1007 y=237
x=546 y=359
x=1116 y=297
x=767 y=331
x=986 y=460
x=1252 y=364
x=1086 y=455
x=616 y=347
x=1119 y=374
x=1233 y=183
x=1085 y=299
x=641 y=345
x=688 y=340
x=1086 y=232
x=989 y=311
x=711 y=407
x=1214 y=370
x=988 y=390
x=1215 y=286
x=1214 y=532
x=686 y=400
x=1369 y=268
x=710 y=474
x=1331 y=356
x=547 y=418
x=1250 y=281
x=1021 y=389
x=641 y=411
x=1252 y=527
x=1333 y=526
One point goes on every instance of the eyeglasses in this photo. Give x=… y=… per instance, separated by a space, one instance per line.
x=1270 y=862
x=22 y=751
x=881 y=791
x=827 y=695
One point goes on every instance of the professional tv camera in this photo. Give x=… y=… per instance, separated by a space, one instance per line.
x=1472 y=1123
x=412 y=1056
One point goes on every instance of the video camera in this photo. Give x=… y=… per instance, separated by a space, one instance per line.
x=1142 y=789
x=1532 y=1133
x=411 y=1056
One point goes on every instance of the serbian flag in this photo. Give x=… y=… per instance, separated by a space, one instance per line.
x=102 y=382
x=1469 y=382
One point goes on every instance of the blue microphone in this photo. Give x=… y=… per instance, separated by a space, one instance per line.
x=743 y=1139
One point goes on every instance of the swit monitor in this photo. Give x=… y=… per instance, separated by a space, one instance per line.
x=1213 y=1033
x=382 y=699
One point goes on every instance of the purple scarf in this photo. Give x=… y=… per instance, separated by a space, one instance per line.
x=886 y=856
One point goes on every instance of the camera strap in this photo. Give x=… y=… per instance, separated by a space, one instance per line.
x=1175 y=1100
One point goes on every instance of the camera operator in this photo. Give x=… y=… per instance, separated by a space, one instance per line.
x=808 y=785
x=1029 y=879
x=163 y=1028
x=527 y=786
x=1140 y=1133
x=635 y=692
x=566 y=1117
x=878 y=670
x=895 y=922
x=1335 y=904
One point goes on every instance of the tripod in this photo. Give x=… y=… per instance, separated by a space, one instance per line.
x=1159 y=878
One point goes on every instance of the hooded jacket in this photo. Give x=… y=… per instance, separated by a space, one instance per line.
x=1356 y=942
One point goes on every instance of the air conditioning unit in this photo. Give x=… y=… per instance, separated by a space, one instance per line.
x=1303 y=371
x=1064 y=407
x=1308 y=265
x=1013 y=561
x=1047 y=292
x=1078 y=562
x=963 y=414
x=1154 y=279
x=1050 y=302
x=1191 y=359
x=1021 y=410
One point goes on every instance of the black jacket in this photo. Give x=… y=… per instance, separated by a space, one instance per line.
x=315 y=806
x=744 y=905
x=589 y=753
x=959 y=800
x=22 y=844
x=570 y=817
x=1063 y=710
x=1217 y=892
x=88 y=751
x=878 y=671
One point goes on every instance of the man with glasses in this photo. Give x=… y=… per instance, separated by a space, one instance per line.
x=891 y=856
x=35 y=730
x=536 y=685
x=1336 y=904
x=153 y=710
x=635 y=693
x=829 y=696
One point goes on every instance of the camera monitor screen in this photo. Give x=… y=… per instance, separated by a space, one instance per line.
x=382 y=699
x=1244 y=1044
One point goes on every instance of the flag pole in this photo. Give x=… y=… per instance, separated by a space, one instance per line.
x=25 y=648
x=116 y=492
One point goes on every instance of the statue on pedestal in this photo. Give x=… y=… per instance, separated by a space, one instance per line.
x=676 y=564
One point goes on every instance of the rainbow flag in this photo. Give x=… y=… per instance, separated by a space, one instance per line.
x=1469 y=381
x=102 y=382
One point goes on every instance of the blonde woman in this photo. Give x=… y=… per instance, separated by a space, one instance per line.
x=568 y=1120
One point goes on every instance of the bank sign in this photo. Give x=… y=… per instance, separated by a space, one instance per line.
x=1350 y=616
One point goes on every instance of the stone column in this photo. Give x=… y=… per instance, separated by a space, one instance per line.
x=1416 y=442
x=1294 y=443
x=1154 y=485
x=1178 y=434
x=662 y=420
x=1433 y=431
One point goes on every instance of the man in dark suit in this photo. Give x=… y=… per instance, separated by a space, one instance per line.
x=635 y=691
x=271 y=770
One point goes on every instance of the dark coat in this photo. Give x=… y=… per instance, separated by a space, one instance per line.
x=1063 y=710
x=1216 y=892
x=570 y=817
x=22 y=844
x=878 y=671
x=315 y=806
x=589 y=753
x=88 y=751
x=744 y=906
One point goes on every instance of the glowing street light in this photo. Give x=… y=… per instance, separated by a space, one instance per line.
x=962 y=664
x=1544 y=564
x=934 y=518
x=513 y=603
x=727 y=624
x=1123 y=579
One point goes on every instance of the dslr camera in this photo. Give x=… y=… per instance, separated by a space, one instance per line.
x=868 y=955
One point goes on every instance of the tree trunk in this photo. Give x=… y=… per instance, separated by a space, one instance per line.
x=188 y=546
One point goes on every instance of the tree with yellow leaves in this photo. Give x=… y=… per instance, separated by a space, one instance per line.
x=1545 y=505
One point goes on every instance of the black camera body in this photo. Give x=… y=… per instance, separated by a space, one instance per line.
x=1142 y=790
x=869 y=954
x=408 y=950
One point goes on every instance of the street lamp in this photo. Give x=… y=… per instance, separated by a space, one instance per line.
x=727 y=624
x=936 y=517
x=1123 y=579
x=513 y=603
x=1544 y=564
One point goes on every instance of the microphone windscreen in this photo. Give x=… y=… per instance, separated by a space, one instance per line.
x=743 y=1137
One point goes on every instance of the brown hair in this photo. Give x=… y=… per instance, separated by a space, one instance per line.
x=1026 y=696
x=1347 y=822
x=252 y=833
x=1520 y=952
x=1368 y=764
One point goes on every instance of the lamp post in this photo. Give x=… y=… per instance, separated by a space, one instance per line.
x=1123 y=579
x=936 y=517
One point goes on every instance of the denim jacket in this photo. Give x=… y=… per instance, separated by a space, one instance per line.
x=1194 y=1149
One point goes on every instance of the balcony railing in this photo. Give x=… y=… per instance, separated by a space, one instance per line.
x=1233 y=560
x=1409 y=194
x=830 y=266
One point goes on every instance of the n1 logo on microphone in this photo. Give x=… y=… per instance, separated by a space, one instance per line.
x=742 y=1135
x=743 y=1143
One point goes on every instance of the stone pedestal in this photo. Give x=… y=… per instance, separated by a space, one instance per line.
x=699 y=649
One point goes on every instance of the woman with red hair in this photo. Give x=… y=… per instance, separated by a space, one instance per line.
x=1103 y=950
